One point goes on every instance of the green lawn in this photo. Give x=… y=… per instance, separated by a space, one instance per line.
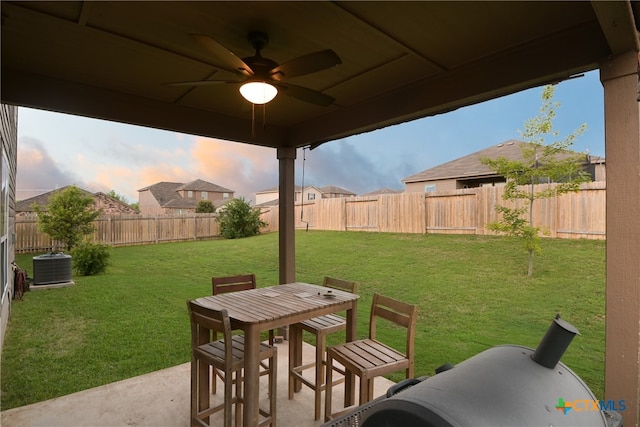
x=472 y=293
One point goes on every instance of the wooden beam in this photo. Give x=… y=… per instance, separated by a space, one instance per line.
x=622 y=147
x=617 y=22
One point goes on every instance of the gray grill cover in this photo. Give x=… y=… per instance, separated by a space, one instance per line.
x=501 y=386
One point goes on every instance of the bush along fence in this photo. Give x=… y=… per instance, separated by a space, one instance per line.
x=124 y=230
x=466 y=211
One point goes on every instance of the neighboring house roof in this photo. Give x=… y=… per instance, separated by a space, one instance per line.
x=200 y=185
x=164 y=192
x=332 y=189
x=273 y=202
x=276 y=189
x=42 y=199
x=102 y=201
x=180 y=203
x=382 y=191
x=470 y=165
x=329 y=189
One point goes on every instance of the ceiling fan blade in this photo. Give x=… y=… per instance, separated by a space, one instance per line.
x=223 y=54
x=306 y=64
x=305 y=94
x=200 y=83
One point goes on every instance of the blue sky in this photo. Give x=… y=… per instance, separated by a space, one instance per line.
x=55 y=150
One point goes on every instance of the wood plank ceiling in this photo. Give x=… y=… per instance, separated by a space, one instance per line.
x=400 y=60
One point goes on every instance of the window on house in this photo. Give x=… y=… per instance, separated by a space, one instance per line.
x=189 y=194
x=311 y=196
x=429 y=188
x=205 y=195
x=225 y=196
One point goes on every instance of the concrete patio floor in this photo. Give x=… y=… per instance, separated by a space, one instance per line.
x=161 y=398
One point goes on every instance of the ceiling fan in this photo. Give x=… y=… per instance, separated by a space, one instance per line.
x=262 y=78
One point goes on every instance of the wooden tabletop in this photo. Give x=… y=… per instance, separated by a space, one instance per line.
x=279 y=305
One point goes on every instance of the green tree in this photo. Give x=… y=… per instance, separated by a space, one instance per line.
x=117 y=196
x=205 y=206
x=123 y=199
x=541 y=163
x=238 y=219
x=68 y=217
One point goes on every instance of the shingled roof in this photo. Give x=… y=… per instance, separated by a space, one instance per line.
x=200 y=185
x=383 y=190
x=332 y=189
x=470 y=166
x=42 y=200
x=101 y=201
x=163 y=191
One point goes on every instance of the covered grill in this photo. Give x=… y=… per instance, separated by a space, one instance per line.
x=506 y=385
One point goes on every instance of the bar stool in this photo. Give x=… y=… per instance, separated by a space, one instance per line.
x=227 y=356
x=320 y=327
x=237 y=283
x=371 y=358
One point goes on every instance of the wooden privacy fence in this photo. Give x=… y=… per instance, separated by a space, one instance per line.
x=465 y=211
x=125 y=230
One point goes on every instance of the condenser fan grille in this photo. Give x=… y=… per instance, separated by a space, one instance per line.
x=52 y=268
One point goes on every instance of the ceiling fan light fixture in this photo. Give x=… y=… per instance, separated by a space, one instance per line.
x=258 y=92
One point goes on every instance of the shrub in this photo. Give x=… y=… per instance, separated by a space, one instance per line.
x=238 y=219
x=205 y=206
x=90 y=258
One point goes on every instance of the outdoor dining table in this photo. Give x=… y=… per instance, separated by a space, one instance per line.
x=262 y=309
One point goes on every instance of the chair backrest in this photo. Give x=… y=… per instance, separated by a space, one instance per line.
x=242 y=282
x=343 y=285
x=204 y=320
x=398 y=312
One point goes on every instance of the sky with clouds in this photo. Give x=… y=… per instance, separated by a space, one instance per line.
x=55 y=150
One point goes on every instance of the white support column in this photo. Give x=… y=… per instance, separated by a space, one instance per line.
x=287 y=157
x=619 y=77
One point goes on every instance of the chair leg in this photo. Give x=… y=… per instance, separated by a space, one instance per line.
x=238 y=398
x=295 y=358
x=366 y=390
x=214 y=380
x=194 y=391
x=273 y=393
x=320 y=361
x=202 y=388
x=228 y=399
x=328 y=389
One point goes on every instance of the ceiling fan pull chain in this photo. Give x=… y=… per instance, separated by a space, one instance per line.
x=253 y=120
x=264 y=117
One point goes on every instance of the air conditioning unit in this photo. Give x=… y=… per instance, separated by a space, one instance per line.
x=52 y=268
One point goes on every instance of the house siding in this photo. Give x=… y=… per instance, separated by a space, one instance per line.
x=266 y=196
x=9 y=154
x=211 y=195
x=148 y=204
x=441 y=185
